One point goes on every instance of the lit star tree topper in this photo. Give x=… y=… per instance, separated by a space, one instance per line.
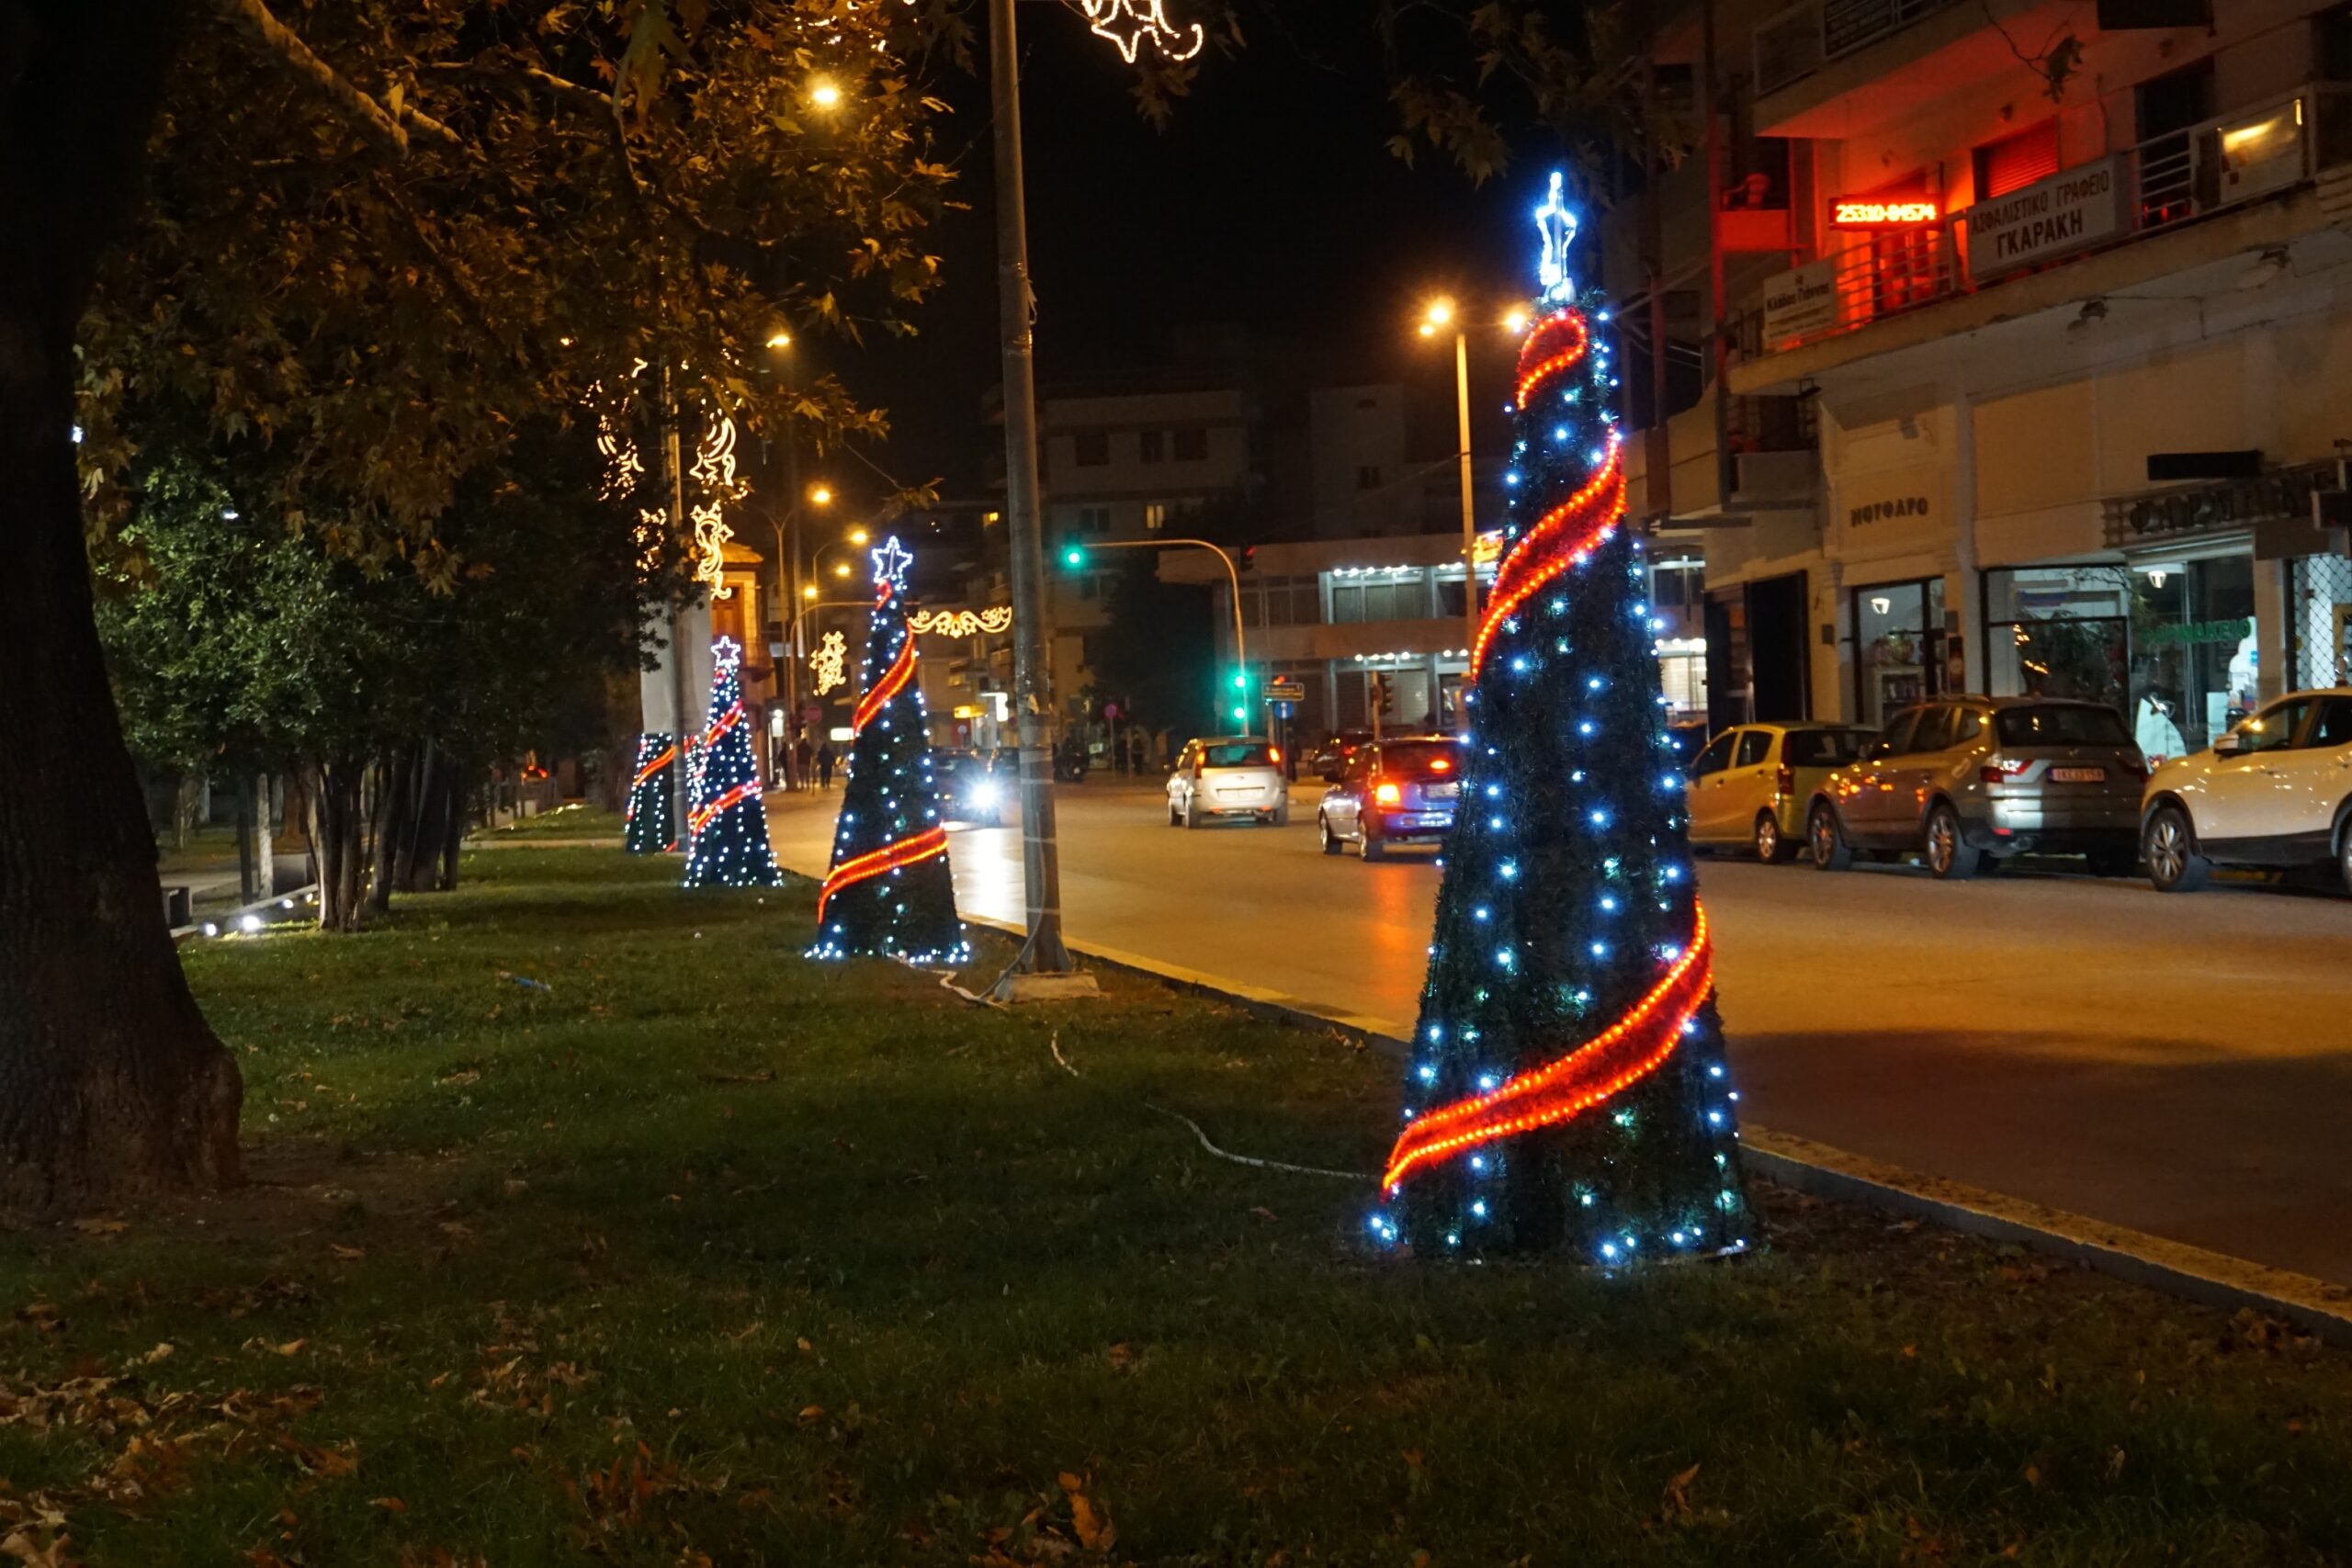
x=891 y=892
x=726 y=823
x=1567 y=1088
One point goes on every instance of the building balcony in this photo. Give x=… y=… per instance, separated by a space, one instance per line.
x=1829 y=53
x=1774 y=445
x=2095 y=228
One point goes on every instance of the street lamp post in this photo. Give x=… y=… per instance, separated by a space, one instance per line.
x=1232 y=575
x=1441 y=314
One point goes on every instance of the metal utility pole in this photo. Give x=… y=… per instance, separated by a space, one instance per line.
x=1469 y=514
x=1031 y=672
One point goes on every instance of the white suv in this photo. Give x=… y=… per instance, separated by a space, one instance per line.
x=2274 y=791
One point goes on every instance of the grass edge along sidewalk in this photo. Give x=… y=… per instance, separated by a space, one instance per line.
x=590 y=1220
x=2194 y=1273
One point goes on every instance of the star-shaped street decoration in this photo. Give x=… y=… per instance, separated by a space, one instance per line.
x=726 y=654
x=1128 y=23
x=890 y=563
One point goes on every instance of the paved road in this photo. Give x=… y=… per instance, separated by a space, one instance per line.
x=2181 y=1066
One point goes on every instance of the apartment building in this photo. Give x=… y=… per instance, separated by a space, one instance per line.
x=2051 y=357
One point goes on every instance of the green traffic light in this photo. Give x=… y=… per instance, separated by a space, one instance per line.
x=1241 y=682
x=1073 y=557
x=1240 y=716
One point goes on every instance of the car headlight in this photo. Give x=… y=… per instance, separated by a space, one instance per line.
x=985 y=794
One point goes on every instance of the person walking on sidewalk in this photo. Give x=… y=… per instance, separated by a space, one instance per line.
x=825 y=765
x=804 y=757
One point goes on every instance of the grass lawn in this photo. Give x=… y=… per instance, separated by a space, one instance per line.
x=574 y=820
x=589 y=1222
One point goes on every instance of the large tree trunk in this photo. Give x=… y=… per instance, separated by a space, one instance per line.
x=110 y=1079
x=338 y=840
x=395 y=792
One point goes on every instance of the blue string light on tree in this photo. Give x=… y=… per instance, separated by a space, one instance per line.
x=1567 y=1088
x=726 y=821
x=649 y=830
x=891 y=892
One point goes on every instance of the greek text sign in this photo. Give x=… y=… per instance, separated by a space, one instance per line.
x=2069 y=211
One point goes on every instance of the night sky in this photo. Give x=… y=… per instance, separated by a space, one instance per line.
x=1268 y=208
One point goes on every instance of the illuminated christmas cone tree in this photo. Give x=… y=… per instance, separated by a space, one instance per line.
x=726 y=823
x=1567 y=1088
x=890 y=892
x=651 y=832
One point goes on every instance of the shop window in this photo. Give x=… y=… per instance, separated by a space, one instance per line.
x=1898 y=646
x=2016 y=162
x=1191 y=445
x=2060 y=631
x=2193 y=661
x=1090 y=448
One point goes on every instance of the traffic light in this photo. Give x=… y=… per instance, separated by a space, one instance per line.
x=1383 y=697
x=1240 y=696
x=1073 y=553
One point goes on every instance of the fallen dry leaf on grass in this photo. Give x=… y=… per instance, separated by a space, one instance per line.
x=101 y=1227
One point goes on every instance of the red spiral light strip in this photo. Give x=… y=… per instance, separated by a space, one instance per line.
x=889 y=857
x=894 y=681
x=703 y=817
x=1627 y=1051
x=1554 y=346
x=1559 y=539
x=655 y=766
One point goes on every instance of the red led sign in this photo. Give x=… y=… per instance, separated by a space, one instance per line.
x=1865 y=213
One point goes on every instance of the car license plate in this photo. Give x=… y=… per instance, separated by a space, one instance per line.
x=1441 y=792
x=2078 y=776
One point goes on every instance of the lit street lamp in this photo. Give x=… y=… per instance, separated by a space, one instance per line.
x=1436 y=317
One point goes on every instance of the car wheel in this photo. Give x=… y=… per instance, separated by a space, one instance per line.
x=1331 y=844
x=2116 y=862
x=1175 y=818
x=1192 y=812
x=1281 y=815
x=1370 y=847
x=1830 y=850
x=2344 y=858
x=1950 y=854
x=1771 y=847
x=2169 y=846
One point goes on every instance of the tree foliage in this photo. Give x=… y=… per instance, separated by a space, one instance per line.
x=600 y=187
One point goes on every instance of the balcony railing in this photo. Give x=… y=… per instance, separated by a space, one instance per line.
x=2168 y=180
x=1800 y=40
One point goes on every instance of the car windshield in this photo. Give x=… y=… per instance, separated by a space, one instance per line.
x=1237 y=754
x=1420 y=759
x=1823 y=748
x=2060 y=726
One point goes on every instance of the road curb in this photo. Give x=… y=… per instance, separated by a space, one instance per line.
x=2211 y=1279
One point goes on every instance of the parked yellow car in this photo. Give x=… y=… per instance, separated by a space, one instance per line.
x=1748 y=786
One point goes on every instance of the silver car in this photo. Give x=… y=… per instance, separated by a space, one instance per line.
x=1229 y=775
x=1961 y=778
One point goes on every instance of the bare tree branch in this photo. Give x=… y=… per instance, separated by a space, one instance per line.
x=372 y=120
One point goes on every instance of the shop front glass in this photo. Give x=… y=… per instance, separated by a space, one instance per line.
x=1898 y=646
x=2169 y=645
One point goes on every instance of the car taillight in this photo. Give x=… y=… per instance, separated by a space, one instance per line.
x=1440 y=765
x=1785 y=781
x=2001 y=769
x=1276 y=753
x=1387 y=795
x=2136 y=762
